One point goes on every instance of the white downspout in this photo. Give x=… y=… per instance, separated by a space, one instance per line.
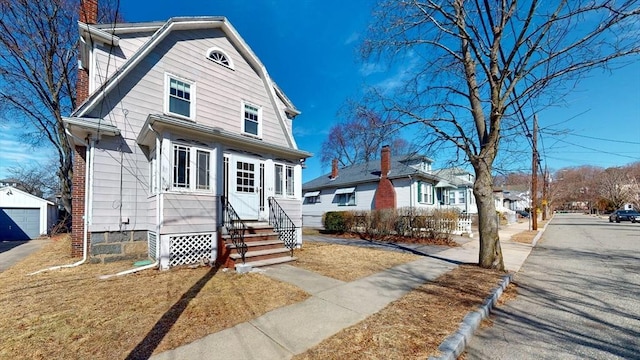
x=88 y=157
x=158 y=212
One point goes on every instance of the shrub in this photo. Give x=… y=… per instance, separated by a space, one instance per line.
x=334 y=221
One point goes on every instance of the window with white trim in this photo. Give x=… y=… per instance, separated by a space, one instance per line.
x=188 y=163
x=452 y=197
x=346 y=196
x=180 y=97
x=284 y=180
x=425 y=193
x=217 y=55
x=348 y=199
x=251 y=119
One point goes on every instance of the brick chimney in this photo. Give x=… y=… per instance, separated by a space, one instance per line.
x=88 y=12
x=334 y=169
x=385 y=197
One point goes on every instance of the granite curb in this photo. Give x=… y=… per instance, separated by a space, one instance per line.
x=455 y=344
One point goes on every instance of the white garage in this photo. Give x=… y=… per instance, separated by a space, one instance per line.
x=24 y=216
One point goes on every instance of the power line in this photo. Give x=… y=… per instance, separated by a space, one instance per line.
x=600 y=151
x=603 y=139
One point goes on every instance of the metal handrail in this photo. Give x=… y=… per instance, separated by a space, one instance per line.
x=282 y=224
x=236 y=228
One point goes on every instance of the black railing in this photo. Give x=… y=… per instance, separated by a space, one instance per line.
x=235 y=227
x=282 y=224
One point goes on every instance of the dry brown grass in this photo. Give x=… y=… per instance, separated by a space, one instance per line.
x=413 y=326
x=527 y=236
x=347 y=263
x=70 y=313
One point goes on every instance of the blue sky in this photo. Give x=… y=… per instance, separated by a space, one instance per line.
x=310 y=48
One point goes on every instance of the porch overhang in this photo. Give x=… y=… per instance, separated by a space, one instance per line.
x=158 y=123
x=81 y=127
x=444 y=184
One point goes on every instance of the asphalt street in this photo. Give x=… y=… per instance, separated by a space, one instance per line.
x=578 y=296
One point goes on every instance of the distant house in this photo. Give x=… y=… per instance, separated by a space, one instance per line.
x=24 y=216
x=181 y=138
x=391 y=182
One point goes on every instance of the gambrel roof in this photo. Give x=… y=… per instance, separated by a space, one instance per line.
x=108 y=34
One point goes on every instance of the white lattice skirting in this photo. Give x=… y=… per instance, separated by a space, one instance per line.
x=190 y=249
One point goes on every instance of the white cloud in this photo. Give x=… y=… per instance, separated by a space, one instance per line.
x=371 y=68
x=353 y=37
x=401 y=73
x=14 y=152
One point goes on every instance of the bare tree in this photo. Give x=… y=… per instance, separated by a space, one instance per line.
x=37 y=179
x=476 y=66
x=38 y=45
x=617 y=186
x=360 y=137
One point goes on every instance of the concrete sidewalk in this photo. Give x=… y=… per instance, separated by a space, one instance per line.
x=334 y=304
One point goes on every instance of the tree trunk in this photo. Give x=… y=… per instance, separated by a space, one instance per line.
x=490 y=255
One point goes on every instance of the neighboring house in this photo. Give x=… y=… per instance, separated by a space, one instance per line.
x=391 y=182
x=461 y=196
x=516 y=200
x=24 y=216
x=14 y=183
x=181 y=119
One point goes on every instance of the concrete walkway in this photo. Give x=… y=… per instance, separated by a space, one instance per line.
x=11 y=252
x=334 y=304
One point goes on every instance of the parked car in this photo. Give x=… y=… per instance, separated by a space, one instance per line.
x=522 y=213
x=624 y=215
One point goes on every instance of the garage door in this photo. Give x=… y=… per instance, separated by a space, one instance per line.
x=19 y=224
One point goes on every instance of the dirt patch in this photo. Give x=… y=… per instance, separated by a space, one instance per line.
x=70 y=313
x=527 y=236
x=413 y=326
x=347 y=263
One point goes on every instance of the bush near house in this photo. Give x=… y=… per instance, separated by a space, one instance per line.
x=393 y=223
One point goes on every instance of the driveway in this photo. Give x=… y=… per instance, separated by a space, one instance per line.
x=12 y=252
x=578 y=296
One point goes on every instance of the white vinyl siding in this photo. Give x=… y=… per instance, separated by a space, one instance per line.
x=188 y=213
x=120 y=187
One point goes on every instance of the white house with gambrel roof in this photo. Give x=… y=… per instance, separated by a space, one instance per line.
x=182 y=128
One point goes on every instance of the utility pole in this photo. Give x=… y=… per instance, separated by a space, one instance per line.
x=545 y=200
x=534 y=176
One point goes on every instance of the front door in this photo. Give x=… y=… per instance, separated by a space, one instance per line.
x=244 y=186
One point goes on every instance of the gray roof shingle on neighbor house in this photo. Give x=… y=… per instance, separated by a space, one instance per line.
x=369 y=172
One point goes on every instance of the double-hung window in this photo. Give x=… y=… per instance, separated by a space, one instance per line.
x=284 y=180
x=180 y=97
x=251 y=120
x=452 y=197
x=346 y=196
x=189 y=164
x=425 y=193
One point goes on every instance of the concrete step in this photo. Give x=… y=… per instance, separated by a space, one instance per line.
x=259 y=245
x=268 y=262
x=260 y=254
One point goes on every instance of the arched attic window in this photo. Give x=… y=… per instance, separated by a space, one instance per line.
x=217 y=55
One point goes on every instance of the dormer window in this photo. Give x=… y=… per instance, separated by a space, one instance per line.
x=218 y=56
